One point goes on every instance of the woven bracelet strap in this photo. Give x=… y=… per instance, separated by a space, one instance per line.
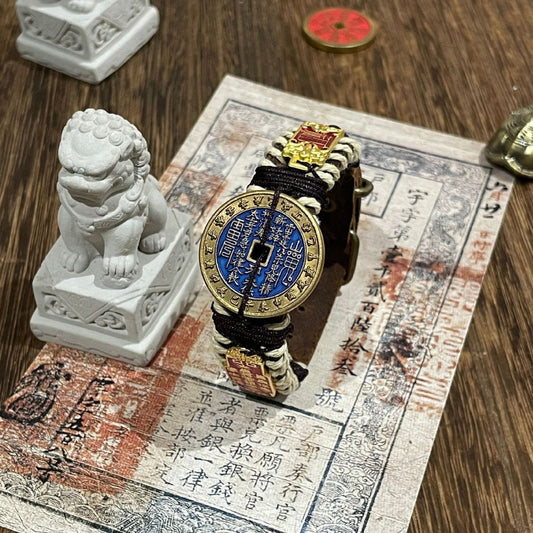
x=264 y=340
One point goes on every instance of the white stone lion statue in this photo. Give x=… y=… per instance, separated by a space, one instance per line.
x=110 y=204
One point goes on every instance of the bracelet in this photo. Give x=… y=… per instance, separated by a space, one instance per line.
x=291 y=237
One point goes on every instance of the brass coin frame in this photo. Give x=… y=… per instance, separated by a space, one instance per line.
x=306 y=282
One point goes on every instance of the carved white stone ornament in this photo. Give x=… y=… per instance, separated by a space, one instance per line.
x=86 y=39
x=110 y=204
x=124 y=267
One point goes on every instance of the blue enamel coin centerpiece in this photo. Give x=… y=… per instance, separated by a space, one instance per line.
x=281 y=254
x=261 y=254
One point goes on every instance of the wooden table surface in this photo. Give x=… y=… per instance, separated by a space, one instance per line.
x=458 y=66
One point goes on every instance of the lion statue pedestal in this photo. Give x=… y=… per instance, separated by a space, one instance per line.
x=124 y=267
x=85 y=39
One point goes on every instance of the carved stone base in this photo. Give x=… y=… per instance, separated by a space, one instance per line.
x=87 y=46
x=129 y=324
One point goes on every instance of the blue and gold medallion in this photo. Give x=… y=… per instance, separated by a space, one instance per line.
x=261 y=254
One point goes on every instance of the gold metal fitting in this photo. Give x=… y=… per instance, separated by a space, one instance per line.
x=248 y=372
x=311 y=143
x=512 y=145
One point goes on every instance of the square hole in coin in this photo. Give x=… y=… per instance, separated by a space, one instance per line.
x=263 y=252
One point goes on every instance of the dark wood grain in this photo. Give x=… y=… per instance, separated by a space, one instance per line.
x=458 y=66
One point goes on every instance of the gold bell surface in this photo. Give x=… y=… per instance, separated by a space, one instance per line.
x=512 y=145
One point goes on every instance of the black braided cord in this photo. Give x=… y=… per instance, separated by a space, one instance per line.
x=251 y=333
x=257 y=264
x=292 y=181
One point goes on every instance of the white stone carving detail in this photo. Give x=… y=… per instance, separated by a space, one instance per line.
x=111 y=319
x=110 y=204
x=105 y=33
x=151 y=305
x=54 y=305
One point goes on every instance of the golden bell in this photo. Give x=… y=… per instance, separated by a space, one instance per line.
x=512 y=145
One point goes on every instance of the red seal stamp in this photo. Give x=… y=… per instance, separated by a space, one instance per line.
x=339 y=30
